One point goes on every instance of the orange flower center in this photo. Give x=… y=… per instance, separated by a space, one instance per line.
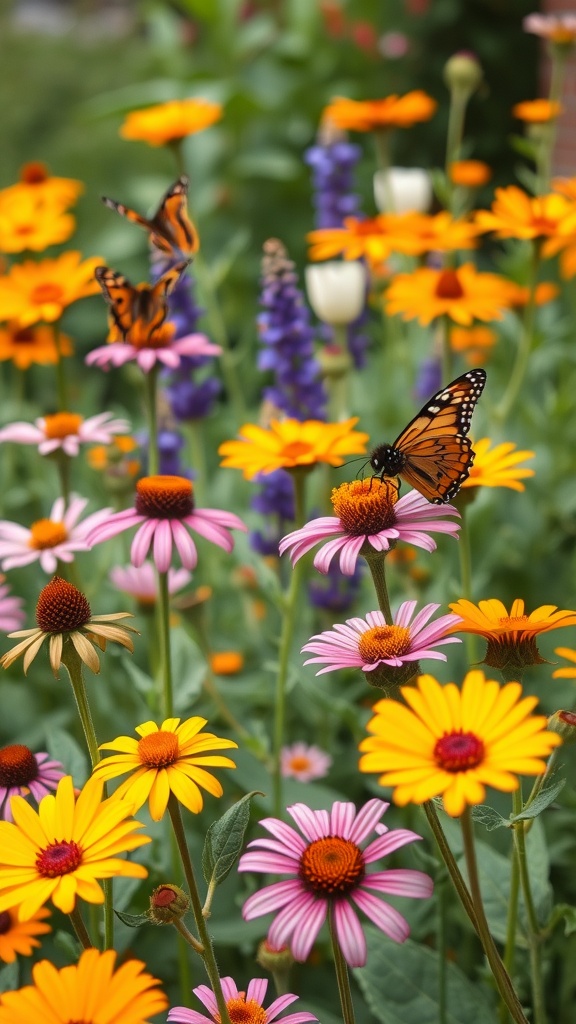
x=24 y=336
x=59 y=859
x=34 y=173
x=61 y=607
x=158 y=749
x=24 y=229
x=448 y=286
x=331 y=866
x=47 y=533
x=48 y=292
x=365 y=506
x=300 y=763
x=164 y=497
x=383 y=642
x=296 y=450
x=458 y=751
x=243 y=1011
x=5 y=922
x=18 y=766
x=61 y=424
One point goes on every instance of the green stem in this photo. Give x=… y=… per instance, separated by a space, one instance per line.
x=73 y=664
x=61 y=384
x=377 y=565
x=342 y=977
x=525 y=344
x=511 y=926
x=534 y=934
x=166 y=654
x=538 y=784
x=442 y=947
x=450 y=861
x=458 y=103
x=152 y=409
x=196 y=905
x=187 y=936
x=80 y=929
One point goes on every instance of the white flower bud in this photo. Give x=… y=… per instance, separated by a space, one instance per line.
x=402 y=190
x=336 y=290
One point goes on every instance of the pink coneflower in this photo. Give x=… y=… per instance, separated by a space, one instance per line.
x=304 y=762
x=142 y=584
x=558 y=28
x=147 y=356
x=370 y=642
x=22 y=772
x=165 y=507
x=49 y=540
x=65 y=430
x=328 y=872
x=12 y=615
x=243 y=1007
x=369 y=513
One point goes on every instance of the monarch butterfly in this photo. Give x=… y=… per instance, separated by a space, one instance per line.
x=433 y=453
x=170 y=229
x=138 y=313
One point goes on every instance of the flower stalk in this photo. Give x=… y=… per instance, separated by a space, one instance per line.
x=165 y=645
x=80 y=929
x=377 y=564
x=342 y=976
x=533 y=927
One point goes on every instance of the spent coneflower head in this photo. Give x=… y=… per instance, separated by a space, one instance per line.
x=24 y=773
x=510 y=636
x=64 y=617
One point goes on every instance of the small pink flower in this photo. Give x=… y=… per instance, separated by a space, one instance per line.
x=142 y=584
x=65 y=430
x=304 y=762
x=559 y=27
x=49 y=540
x=119 y=352
x=22 y=772
x=328 y=868
x=242 y=1006
x=12 y=615
x=370 y=642
x=369 y=513
x=164 y=508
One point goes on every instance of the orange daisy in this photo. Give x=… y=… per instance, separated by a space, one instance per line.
x=463 y=295
x=34 y=291
x=498 y=467
x=289 y=444
x=474 y=343
x=469 y=173
x=545 y=292
x=390 y=112
x=30 y=345
x=537 y=111
x=19 y=937
x=372 y=239
x=170 y=122
x=27 y=222
x=511 y=637
x=36 y=182
x=515 y=214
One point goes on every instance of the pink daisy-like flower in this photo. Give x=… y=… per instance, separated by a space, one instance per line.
x=141 y=581
x=169 y=353
x=22 y=772
x=49 y=540
x=65 y=430
x=164 y=508
x=243 y=1007
x=368 y=512
x=329 y=872
x=304 y=762
x=12 y=615
x=370 y=642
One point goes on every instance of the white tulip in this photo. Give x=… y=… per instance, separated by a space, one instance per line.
x=336 y=290
x=403 y=190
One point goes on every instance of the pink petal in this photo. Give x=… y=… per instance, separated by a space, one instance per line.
x=386 y=844
x=401 y=882
x=367 y=818
x=349 y=934
x=142 y=541
x=271 y=898
x=185 y=545
x=299 y=924
x=313 y=824
x=257 y=990
x=385 y=917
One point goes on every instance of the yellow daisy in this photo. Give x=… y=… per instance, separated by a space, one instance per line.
x=58 y=852
x=30 y=345
x=463 y=295
x=453 y=743
x=289 y=444
x=498 y=467
x=510 y=636
x=20 y=937
x=33 y=291
x=37 y=183
x=88 y=991
x=568 y=671
x=169 y=758
x=29 y=223
x=170 y=122
x=515 y=214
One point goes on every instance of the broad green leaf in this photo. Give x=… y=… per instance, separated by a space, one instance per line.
x=9 y=977
x=224 y=841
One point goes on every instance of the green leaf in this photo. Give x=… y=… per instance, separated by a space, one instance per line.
x=132 y=920
x=65 y=749
x=563 y=912
x=545 y=797
x=9 y=977
x=225 y=839
x=400 y=984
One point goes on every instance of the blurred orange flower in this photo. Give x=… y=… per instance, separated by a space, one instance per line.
x=469 y=173
x=226 y=663
x=473 y=342
x=390 y=112
x=170 y=122
x=463 y=295
x=33 y=291
x=537 y=111
x=515 y=214
x=38 y=184
x=28 y=345
x=545 y=292
x=27 y=222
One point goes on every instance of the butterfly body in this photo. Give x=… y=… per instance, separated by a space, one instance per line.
x=170 y=229
x=138 y=313
x=433 y=453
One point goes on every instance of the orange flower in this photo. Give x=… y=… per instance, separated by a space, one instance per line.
x=473 y=342
x=515 y=214
x=289 y=444
x=438 y=232
x=469 y=173
x=19 y=937
x=567 y=186
x=28 y=222
x=537 y=111
x=28 y=345
x=511 y=637
x=170 y=122
x=36 y=183
x=546 y=291
x=33 y=291
x=390 y=112
x=463 y=295
x=498 y=467
x=226 y=663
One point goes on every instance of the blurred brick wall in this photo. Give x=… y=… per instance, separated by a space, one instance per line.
x=565 y=151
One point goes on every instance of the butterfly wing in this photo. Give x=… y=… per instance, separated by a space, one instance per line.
x=170 y=229
x=121 y=296
x=436 y=453
x=140 y=311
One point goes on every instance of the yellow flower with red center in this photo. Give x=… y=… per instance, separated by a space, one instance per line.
x=171 y=121
x=27 y=222
x=170 y=758
x=88 y=992
x=469 y=173
x=463 y=295
x=474 y=343
x=59 y=852
x=292 y=444
x=568 y=671
x=498 y=467
x=510 y=636
x=515 y=214
x=453 y=743
x=372 y=115
x=33 y=291
x=20 y=937
x=540 y=111
x=38 y=184
x=27 y=346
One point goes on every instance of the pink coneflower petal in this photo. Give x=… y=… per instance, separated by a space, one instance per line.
x=313 y=824
x=142 y=541
x=404 y=882
x=285 y=833
x=163 y=545
x=184 y=545
x=272 y=898
x=385 y=917
x=349 y=933
x=211 y=531
x=299 y=925
x=366 y=819
x=388 y=843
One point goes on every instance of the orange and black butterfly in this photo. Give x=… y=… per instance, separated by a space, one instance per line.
x=433 y=453
x=138 y=313
x=170 y=229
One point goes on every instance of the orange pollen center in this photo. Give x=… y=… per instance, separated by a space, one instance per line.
x=34 y=173
x=158 y=749
x=383 y=642
x=164 y=497
x=59 y=859
x=61 y=424
x=47 y=533
x=365 y=506
x=296 y=450
x=448 y=286
x=300 y=763
x=18 y=766
x=243 y=1011
x=24 y=229
x=458 y=751
x=61 y=607
x=331 y=866
x=48 y=292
